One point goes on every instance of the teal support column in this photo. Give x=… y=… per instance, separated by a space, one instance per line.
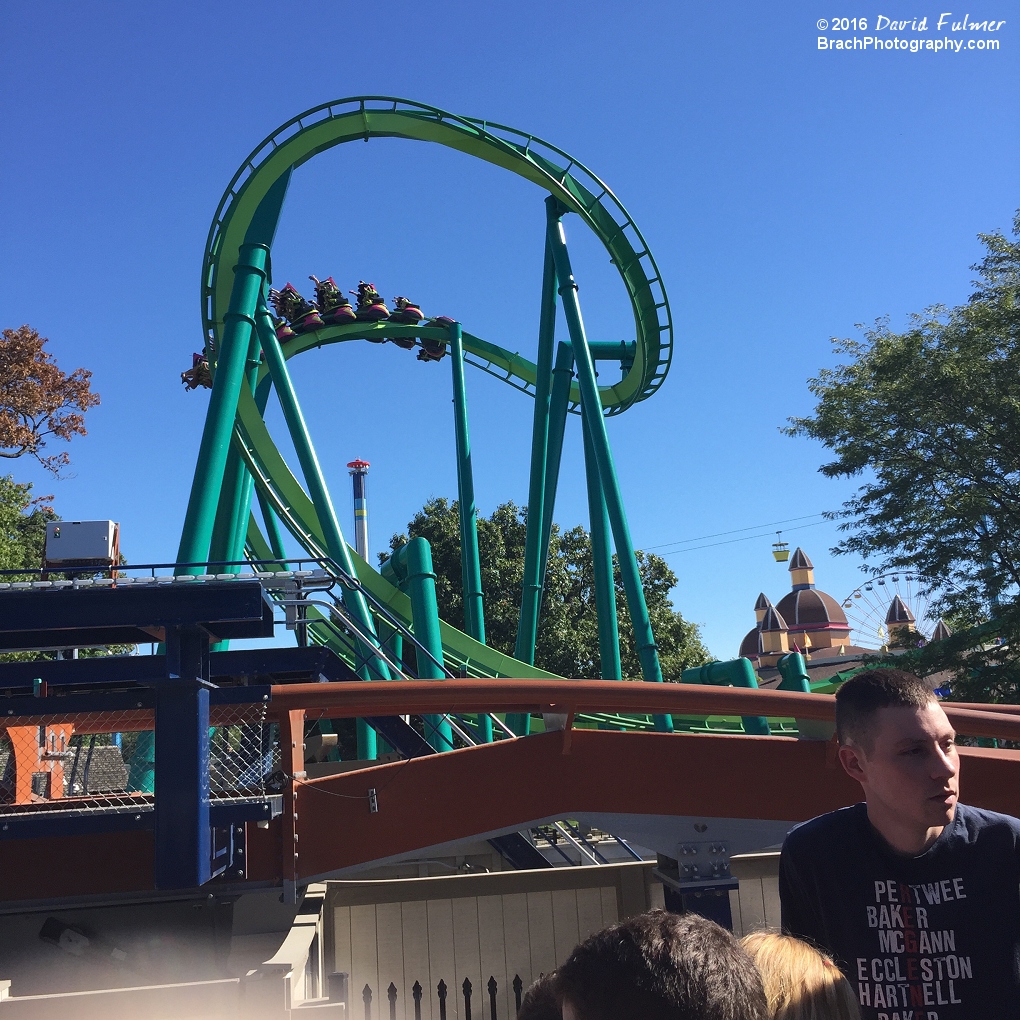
x=230 y=530
x=239 y=323
x=559 y=402
x=471 y=568
x=734 y=673
x=142 y=765
x=236 y=485
x=272 y=524
x=531 y=592
x=395 y=643
x=269 y=518
x=471 y=571
x=602 y=563
x=413 y=565
x=793 y=669
x=592 y=406
x=250 y=275
x=241 y=524
x=231 y=498
x=243 y=507
x=231 y=527
x=483 y=729
x=326 y=514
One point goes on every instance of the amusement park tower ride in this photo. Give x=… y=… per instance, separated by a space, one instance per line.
x=359 y=480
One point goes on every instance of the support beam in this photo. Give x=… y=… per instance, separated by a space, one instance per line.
x=272 y=524
x=412 y=565
x=531 y=593
x=239 y=323
x=471 y=571
x=250 y=275
x=602 y=563
x=231 y=526
x=592 y=407
x=559 y=400
x=325 y=512
x=182 y=838
x=292 y=761
x=231 y=496
x=734 y=673
x=243 y=507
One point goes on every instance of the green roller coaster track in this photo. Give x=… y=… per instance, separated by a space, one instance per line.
x=568 y=180
x=238 y=456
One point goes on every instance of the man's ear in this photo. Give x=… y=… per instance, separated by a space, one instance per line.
x=850 y=758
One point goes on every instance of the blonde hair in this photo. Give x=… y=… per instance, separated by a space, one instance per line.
x=800 y=982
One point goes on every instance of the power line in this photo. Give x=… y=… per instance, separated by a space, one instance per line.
x=735 y=531
x=746 y=538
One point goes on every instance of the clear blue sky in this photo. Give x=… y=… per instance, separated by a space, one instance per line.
x=787 y=194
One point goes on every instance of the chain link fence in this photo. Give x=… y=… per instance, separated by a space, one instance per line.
x=103 y=761
x=241 y=751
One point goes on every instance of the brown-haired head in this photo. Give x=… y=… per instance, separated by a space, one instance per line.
x=860 y=698
x=661 y=966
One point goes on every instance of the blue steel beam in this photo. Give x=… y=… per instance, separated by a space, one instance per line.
x=182 y=835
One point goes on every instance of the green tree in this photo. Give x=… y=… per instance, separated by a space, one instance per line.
x=568 y=627
x=23 y=523
x=930 y=419
x=37 y=401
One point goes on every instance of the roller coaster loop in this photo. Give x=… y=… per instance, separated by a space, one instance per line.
x=239 y=459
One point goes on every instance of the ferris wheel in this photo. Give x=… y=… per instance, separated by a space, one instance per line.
x=885 y=600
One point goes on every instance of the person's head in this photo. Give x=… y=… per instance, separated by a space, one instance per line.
x=661 y=966
x=539 y=1002
x=800 y=982
x=896 y=741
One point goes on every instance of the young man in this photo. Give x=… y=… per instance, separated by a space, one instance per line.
x=916 y=896
x=661 y=966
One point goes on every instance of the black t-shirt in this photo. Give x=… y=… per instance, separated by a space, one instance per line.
x=934 y=937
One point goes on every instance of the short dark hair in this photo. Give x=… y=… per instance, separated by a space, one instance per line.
x=539 y=1002
x=661 y=966
x=860 y=698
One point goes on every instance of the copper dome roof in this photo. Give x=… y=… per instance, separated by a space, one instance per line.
x=773 y=620
x=811 y=609
x=899 y=612
x=800 y=561
x=750 y=647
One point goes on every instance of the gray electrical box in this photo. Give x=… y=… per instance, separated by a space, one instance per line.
x=89 y=543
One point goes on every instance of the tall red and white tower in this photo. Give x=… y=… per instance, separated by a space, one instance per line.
x=358 y=470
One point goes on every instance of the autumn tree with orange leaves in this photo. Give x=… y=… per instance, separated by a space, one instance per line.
x=37 y=400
